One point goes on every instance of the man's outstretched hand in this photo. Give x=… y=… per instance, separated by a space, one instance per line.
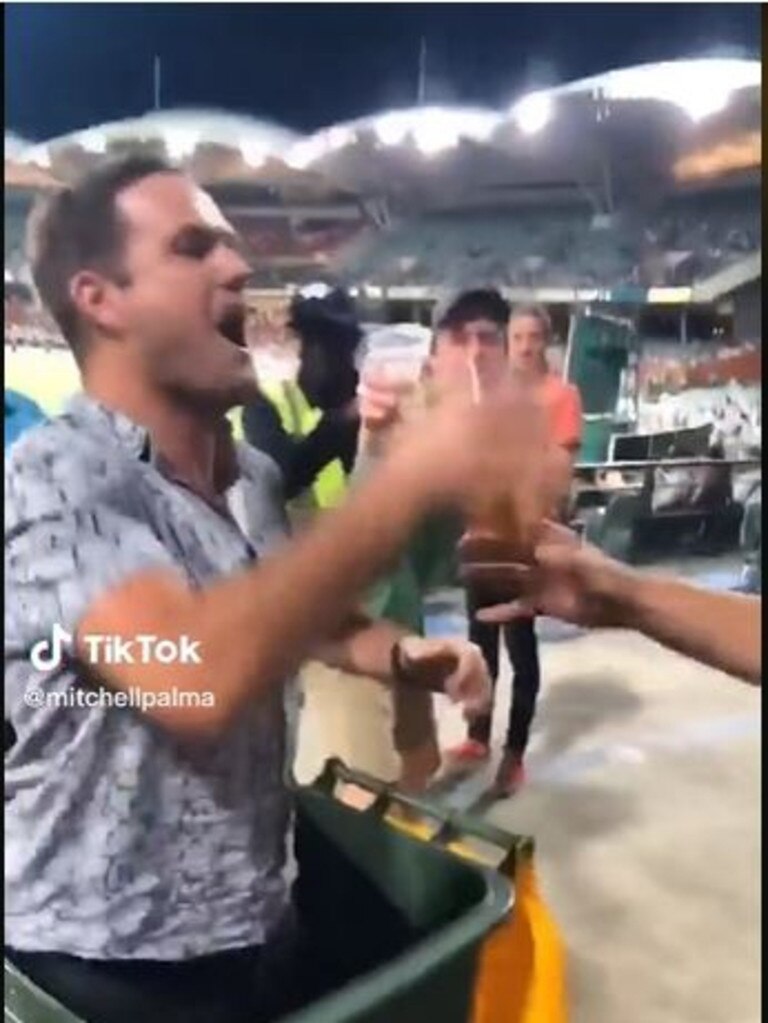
x=452 y=666
x=568 y=580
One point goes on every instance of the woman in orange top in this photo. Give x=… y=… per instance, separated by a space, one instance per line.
x=529 y=333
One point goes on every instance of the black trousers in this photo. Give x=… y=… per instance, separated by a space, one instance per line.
x=250 y=985
x=522 y=646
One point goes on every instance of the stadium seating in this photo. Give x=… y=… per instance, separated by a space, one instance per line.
x=567 y=247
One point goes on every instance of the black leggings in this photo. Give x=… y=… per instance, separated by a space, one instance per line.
x=523 y=649
x=250 y=985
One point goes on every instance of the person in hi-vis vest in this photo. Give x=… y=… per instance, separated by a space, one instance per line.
x=310 y=428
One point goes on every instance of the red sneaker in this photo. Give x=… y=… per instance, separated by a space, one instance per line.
x=469 y=753
x=510 y=776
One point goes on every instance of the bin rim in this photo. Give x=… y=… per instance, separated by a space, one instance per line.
x=53 y=1011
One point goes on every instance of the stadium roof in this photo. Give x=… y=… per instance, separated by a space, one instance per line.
x=660 y=123
x=182 y=131
x=698 y=87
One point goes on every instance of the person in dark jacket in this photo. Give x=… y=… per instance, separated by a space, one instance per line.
x=317 y=422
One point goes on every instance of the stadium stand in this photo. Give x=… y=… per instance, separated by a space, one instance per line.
x=674 y=245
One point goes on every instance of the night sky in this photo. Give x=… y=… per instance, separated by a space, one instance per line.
x=71 y=66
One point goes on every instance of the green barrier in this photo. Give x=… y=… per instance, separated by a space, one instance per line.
x=598 y=353
x=596 y=438
x=397 y=923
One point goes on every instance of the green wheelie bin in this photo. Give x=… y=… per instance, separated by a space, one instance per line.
x=396 y=923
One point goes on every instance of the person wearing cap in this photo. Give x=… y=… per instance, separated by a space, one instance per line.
x=309 y=427
x=468 y=344
x=528 y=334
x=476 y=331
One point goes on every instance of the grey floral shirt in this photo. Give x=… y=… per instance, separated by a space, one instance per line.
x=121 y=840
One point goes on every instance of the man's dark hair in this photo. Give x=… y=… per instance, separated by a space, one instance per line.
x=79 y=228
x=477 y=304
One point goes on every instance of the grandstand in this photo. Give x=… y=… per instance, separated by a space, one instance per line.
x=684 y=238
x=641 y=178
x=637 y=191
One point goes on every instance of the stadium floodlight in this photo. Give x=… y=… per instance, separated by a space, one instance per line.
x=16 y=148
x=253 y=152
x=306 y=152
x=339 y=137
x=435 y=129
x=180 y=141
x=93 y=141
x=39 y=156
x=698 y=87
x=705 y=101
x=533 y=112
x=435 y=134
x=392 y=128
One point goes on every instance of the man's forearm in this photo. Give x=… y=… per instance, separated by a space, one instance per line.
x=363 y=648
x=257 y=627
x=718 y=629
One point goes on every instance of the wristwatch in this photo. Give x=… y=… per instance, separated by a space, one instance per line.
x=426 y=673
x=400 y=672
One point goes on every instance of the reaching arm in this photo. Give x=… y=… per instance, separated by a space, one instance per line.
x=578 y=583
x=253 y=629
x=82 y=555
x=719 y=629
x=256 y=627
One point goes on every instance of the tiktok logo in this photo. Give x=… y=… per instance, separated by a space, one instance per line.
x=49 y=654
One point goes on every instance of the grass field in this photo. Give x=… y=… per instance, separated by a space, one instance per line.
x=51 y=378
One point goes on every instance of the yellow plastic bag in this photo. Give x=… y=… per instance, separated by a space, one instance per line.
x=521 y=973
x=521 y=970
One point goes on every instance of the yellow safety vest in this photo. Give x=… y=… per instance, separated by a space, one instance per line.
x=299 y=419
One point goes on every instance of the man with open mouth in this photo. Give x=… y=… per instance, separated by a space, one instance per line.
x=147 y=870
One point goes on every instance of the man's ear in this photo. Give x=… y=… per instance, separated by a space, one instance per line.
x=97 y=300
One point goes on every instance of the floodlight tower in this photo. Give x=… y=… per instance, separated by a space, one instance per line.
x=421 y=91
x=156 y=81
x=602 y=118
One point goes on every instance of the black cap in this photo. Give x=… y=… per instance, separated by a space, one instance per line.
x=323 y=311
x=475 y=304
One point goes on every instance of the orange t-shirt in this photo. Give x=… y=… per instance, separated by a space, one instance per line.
x=563 y=404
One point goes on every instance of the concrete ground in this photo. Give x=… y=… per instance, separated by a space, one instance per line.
x=644 y=800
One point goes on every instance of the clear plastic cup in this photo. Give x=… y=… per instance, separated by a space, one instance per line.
x=402 y=370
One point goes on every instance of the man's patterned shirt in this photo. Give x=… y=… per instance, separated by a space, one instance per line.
x=121 y=840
